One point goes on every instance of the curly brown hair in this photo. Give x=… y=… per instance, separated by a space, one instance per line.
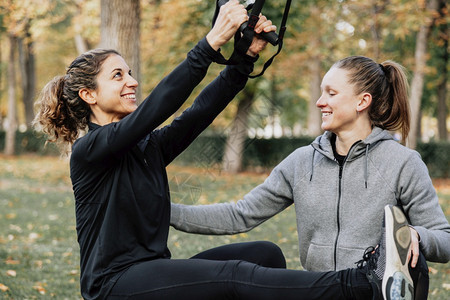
x=60 y=112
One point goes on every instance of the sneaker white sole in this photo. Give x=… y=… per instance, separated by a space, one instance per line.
x=397 y=282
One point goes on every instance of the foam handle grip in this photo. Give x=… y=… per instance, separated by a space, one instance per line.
x=271 y=37
x=222 y=2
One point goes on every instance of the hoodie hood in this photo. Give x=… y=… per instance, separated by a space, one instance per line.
x=322 y=145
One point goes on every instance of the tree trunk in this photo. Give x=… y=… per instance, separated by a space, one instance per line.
x=442 y=109
x=120 y=21
x=273 y=111
x=1 y=81
x=418 y=77
x=378 y=9
x=80 y=43
x=235 y=144
x=28 y=77
x=375 y=33
x=11 y=117
x=314 y=115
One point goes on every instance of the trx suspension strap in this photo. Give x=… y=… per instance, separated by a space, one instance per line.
x=244 y=36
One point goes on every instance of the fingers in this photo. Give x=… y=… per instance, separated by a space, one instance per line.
x=414 y=247
x=264 y=25
x=231 y=16
x=258 y=43
x=234 y=12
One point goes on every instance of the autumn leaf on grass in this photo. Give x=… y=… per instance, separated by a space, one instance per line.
x=11 y=261
x=3 y=287
x=11 y=273
x=10 y=216
x=38 y=287
x=446 y=286
x=432 y=270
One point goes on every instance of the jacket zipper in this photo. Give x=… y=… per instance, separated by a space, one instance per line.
x=341 y=167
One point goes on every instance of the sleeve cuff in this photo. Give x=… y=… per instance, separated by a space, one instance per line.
x=205 y=47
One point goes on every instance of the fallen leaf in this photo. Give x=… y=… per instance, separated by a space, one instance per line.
x=432 y=270
x=10 y=261
x=10 y=216
x=11 y=273
x=283 y=240
x=3 y=287
x=446 y=286
x=40 y=289
x=38 y=264
x=15 y=228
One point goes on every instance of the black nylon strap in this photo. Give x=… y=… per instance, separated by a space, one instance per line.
x=280 y=39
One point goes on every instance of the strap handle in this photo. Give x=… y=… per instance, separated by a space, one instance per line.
x=280 y=40
x=244 y=36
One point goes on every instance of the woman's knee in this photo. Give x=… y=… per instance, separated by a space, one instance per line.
x=270 y=254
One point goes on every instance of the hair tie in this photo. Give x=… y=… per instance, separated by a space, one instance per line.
x=382 y=68
x=60 y=89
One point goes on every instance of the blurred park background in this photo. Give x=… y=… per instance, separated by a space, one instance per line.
x=269 y=119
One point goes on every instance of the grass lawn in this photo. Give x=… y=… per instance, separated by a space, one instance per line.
x=39 y=252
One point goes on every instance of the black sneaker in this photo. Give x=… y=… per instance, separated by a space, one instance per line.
x=386 y=266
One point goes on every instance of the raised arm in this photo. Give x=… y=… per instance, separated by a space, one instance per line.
x=116 y=138
x=176 y=137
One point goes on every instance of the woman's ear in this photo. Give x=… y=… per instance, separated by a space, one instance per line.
x=87 y=95
x=364 y=102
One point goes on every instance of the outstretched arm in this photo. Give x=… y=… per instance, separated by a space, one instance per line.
x=260 y=204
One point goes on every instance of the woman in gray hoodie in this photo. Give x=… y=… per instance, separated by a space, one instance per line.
x=341 y=182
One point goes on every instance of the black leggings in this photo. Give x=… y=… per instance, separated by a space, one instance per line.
x=254 y=270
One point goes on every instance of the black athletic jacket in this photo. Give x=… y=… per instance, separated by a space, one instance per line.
x=118 y=170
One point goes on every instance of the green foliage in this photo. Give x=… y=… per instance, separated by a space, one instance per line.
x=30 y=142
x=267 y=153
x=436 y=157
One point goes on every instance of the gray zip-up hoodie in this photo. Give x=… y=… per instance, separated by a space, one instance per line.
x=339 y=209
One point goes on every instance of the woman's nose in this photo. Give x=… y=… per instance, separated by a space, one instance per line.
x=131 y=81
x=320 y=102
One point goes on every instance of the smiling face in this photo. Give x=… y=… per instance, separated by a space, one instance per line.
x=338 y=102
x=115 y=95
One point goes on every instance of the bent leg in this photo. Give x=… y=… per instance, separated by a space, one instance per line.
x=263 y=253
